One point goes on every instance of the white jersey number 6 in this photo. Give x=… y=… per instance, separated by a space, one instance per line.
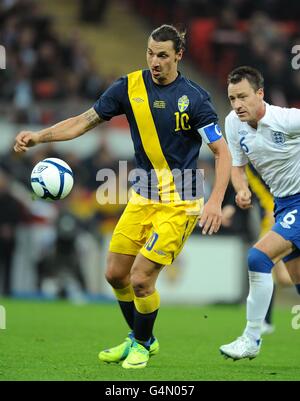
x=290 y=218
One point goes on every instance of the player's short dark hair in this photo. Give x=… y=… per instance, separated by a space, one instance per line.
x=253 y=76
x=169 y=32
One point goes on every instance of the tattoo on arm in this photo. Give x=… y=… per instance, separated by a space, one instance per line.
x=47 y=137
x=92 y=119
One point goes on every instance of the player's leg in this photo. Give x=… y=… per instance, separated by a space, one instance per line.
x=281 y=278
x=293 y=267
x=172 y=225
x=118 y=276
x=127 y=239
x=281 y=275
x=144 y=274
x=267 y=326
x=261 y=258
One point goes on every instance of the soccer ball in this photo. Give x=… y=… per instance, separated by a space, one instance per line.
x=52 y=179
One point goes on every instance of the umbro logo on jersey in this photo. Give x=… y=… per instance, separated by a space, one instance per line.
x=138 y=99
x=284 y=224
x=243 y=132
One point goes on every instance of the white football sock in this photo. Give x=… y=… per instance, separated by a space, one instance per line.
x=258 y=301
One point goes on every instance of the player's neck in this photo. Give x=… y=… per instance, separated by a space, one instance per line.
x=260 y=113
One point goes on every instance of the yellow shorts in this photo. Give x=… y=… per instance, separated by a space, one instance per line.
x=157 y=230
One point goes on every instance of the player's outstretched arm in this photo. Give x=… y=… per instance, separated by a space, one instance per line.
x=211 y=217
x=240 y=184
x=63 y=131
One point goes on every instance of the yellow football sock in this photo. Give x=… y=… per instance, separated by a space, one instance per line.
x=124 y=294
x=147 y=304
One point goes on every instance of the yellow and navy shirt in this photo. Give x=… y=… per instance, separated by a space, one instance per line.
x=167 y=124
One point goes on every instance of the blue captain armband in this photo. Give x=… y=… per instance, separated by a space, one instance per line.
x=210 y=133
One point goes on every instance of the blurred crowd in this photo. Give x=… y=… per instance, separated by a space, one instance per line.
x=185 y=10
x=42 y=66
x=48 y=247
x=223 y=34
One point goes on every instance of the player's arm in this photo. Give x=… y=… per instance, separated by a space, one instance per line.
x=63 y=131
x=211 y=217
x=239 y=161
x=240 y=183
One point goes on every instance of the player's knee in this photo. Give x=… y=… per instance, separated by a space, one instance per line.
x=141 y=285
x=296 y=277
x=114 y=278
x=259 y=262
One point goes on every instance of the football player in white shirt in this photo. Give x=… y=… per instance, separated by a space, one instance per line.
x=269 y=137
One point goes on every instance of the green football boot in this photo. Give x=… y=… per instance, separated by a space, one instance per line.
x=154 y=347
x=120 y=352
x=137 y=358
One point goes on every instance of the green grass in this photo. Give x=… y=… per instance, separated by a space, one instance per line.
x=59 y=341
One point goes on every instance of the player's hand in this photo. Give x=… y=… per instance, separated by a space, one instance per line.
x=243 y=199
x=25 y=140
x=211 y=218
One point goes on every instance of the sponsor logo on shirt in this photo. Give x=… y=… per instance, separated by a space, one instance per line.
x=138 y=99
x=284 y=224
x=183 y=103
x=159 y=104
x=159 y=252
x=243 y=132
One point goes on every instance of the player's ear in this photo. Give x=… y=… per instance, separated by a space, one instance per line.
x=261 y=93
x=179 y=55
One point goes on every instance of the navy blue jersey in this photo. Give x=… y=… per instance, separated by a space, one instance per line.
x=167 y=123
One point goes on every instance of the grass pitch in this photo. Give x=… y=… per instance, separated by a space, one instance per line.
x=60 y=341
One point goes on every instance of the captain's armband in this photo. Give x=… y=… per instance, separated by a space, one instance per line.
x=210 y=133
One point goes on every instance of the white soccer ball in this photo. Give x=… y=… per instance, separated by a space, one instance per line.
x=52 y=178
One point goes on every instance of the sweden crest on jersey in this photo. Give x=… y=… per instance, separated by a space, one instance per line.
x=183 y=103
